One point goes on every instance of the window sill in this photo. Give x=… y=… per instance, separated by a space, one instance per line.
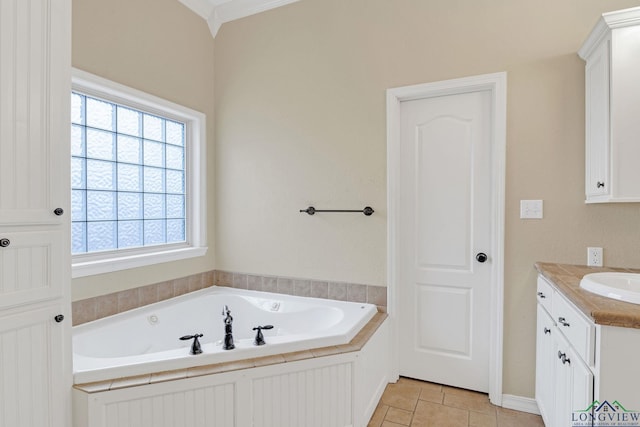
x=84 y=266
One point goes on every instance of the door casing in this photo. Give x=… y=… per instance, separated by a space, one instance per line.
x=496 y=83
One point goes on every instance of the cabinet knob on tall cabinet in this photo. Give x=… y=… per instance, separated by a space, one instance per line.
x=58 y=211
x=59 y=318
x=4 y=243
x=600 y=184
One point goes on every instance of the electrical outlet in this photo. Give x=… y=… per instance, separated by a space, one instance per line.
x=594 y=257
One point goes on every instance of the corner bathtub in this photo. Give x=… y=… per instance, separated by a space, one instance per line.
x=146 y=340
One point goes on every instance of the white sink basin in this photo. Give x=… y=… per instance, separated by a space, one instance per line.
x=620 y=286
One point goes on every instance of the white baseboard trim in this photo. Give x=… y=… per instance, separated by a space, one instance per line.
x=519 y=403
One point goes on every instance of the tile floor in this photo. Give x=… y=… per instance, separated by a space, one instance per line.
x=422 y=404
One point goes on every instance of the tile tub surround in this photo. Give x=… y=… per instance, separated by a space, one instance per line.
x=341 y=291
x=603 y=311
x=90 y=309
x=98 y=307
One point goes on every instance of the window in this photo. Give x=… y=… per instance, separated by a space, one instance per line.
x=138 y=178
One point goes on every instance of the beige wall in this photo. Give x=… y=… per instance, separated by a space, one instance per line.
x=300 y=119
x=160 y=47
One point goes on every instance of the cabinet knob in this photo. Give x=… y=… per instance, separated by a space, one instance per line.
x=563 y=321
x=541 y=295
x=600 y=184
x=59 y=318
x=58 y=211
x=4 y=243
x=547 y=331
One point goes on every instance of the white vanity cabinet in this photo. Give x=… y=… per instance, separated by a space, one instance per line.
x=35 y=309
x=578 y=361
x=612 y=55
x=564 y=382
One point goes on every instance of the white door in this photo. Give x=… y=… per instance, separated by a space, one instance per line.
x=445 y=239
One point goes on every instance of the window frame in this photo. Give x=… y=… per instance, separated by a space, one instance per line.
x=88 y=264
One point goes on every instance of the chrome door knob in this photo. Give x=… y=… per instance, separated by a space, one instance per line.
x=481 y=257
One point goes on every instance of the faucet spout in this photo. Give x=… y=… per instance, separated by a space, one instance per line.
x=228 y=329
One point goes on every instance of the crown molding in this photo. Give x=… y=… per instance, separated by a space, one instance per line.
x=217 y=12
x=607 y=22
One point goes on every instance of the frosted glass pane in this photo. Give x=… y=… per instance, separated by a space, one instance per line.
x=153 y=127
x=153 y=206
x=101 y=175
x=129 y=206
x=101 y=236
x=129 y=234
x=78 y=205
x=153 y=180
x=154 y=232
x=153 y=154
x=129 y=121
x=101 y=205
x=77 y=172
x=76 y=108
x=100 y=145
x=175 y=230
x=100 y=114
x=175 y=133
x=78 y=237
x=175 y=206
x=77 y=140
x=175 y=182
x=129 y=177
x=129 y=149
x=175 y=158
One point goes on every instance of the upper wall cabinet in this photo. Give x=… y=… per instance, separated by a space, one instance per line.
x=612 y=53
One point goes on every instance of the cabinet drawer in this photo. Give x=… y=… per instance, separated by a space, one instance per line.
x=545 y=294
x=578 y=330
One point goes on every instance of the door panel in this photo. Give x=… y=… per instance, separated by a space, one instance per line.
x=444 y=155
x=445 y=219
x=448 y=309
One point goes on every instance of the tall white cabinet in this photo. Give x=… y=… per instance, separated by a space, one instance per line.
x=35 y=315
x=612 y=55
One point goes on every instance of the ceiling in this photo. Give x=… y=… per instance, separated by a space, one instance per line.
x=217 y=12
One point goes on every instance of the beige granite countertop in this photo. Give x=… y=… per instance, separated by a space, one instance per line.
x=603 y=311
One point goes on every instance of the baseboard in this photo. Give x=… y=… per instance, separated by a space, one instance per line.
x=519 y=403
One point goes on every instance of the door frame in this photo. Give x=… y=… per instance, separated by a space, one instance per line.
x=496 y=83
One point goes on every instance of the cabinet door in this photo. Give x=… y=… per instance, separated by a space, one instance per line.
x=545 y=364
x=31 y=266
x=597 y=182
x=574 y=385
x=34 y=389
x=34 y=111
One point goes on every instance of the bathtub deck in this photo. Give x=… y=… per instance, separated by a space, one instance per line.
x=355 y=344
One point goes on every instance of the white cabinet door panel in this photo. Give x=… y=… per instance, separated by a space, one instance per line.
x=32 y=368
x=30 y=267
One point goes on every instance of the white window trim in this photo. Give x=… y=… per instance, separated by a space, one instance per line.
x=196 y=180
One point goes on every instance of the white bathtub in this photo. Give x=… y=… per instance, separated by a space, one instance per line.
x=146 y=340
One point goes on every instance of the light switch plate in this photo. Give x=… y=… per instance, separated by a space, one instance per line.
x=531 y=209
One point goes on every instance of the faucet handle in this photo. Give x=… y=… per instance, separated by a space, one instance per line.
x=195 y=346
x=225 y=309
x=259 y=340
